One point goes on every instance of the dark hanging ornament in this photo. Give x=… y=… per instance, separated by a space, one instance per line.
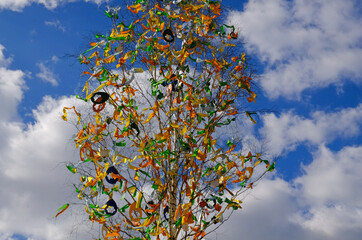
x=110 y=170
x=135 y=127
x=111 y=203
x=99 y=97
x=166 y=213
x=168 y=35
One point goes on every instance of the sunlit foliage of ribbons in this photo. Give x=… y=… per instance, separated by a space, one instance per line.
x=156 y=170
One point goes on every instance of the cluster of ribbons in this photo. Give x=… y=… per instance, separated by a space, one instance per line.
x=150 y=164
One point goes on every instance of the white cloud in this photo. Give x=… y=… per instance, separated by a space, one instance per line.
x=265 y=215
x=55 y=59
x=331 y=189
x=306 y=44
x=4 y=62
x=324 y=203
x=46 y=74
x=333 y=177
x=19 y=5
x=288 y=130
x=56 y=24
x=33 y=179
x=12 y=84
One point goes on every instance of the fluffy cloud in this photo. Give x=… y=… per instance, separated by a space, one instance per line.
x=305 y=44
x=321 y=204
x=46 y=74
x=19 y=5
x=288 y=130
x=4 y=61
x=327 y=171
x=11 y=88
x=330 y=190
x=33 y=180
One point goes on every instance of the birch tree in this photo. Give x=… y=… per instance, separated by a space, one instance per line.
x=162 y=82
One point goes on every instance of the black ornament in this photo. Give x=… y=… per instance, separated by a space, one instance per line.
x=99 y=97
x=135 y=127
x=113 y=170
x=168 y=35
x=165 y=212
x=111 y=203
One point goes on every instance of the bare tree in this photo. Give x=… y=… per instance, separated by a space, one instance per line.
x=161 y=82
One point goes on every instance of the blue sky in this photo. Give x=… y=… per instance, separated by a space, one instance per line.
x=309 y=57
